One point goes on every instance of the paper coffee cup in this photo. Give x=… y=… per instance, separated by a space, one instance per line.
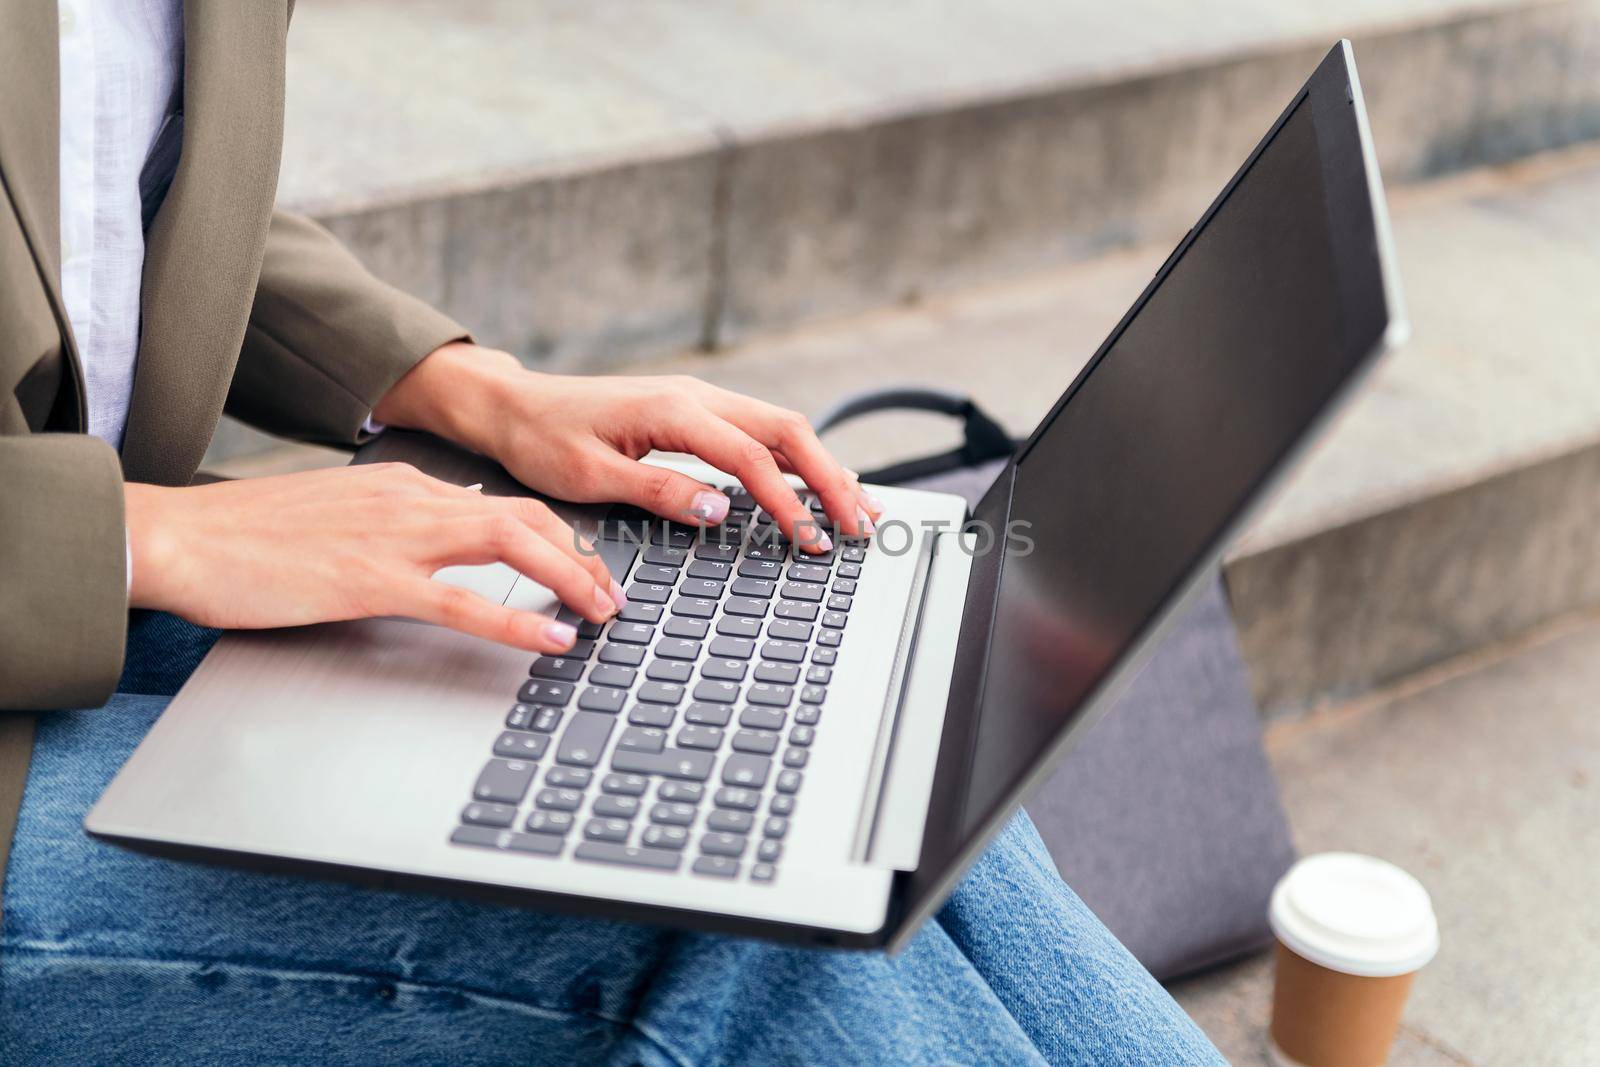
x=1352 y=932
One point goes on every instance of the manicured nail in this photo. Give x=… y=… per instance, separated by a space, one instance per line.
x=824 y=543
x=605 y=603
x=873 y=503
x=618 y=595
x=866 y=522
x=709 y=507
x=475 y=487
x=562 y=634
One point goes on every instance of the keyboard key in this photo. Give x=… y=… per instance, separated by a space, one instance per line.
x=807 y=714
x=504 y=781
x=776 y=826
x=662 y=556
x=727 y=670
x=769 y=851
x=585 y=628
x=647 y=593
x=844 y=587
x=666 y=670
x=706 y=737
x=642 y=739
x=615 y=807
x=733 y=647
x=754 y=587
x=853 y=554
x=767 y=570
x=731 y=627
x=659 y=693
x=640 y=612
x=560 y=668
x=705 y=568
x=746 y=770
x=676 y=648
x=717 y=866
x=622 y=655
x=738 y=798
x=834 y=620
x=830 y=638
x=727 y=821
x=659 y=715
x=826 y=656
x=693 y=629
x=676 y=763
x=685 y=792
x=807 y=572
x=789 y=609
x=746 y=607
x=849 y=570
x=802 y=735
x=674 y=535
x=763 y=872
x=762 y=718
x=658 y=836
x=549 y=822
x=537 y=691
x=802 y=591
x=838 y=603
x=715 y=844
x=789 y=782
x=489 y=814
x=772 y=550
x=656 y=574
x=782 y=804
x=776 y=696
x=708 y=714
x=784 y=651
x=521 y=716
x=813 y=694
x=628 y=855
x=764 y=742
x=716 y=553
x=624 y=785
x=612 y=675
x=607 y=830
x=789 y=630
x=632 y=633
x=585 y=738
x=701 y=587
x=598 y=699
x=568 y=777
x=674 y=814
x=515 y=745
x=713 y=692
x=559 y=799
x=795 y=757
x=485 y=837
x=694 y=607
x=819 y=675
x=778 y=673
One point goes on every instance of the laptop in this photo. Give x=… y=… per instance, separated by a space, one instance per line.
x=807 y=747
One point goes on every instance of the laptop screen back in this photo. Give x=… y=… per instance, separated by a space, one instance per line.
x=1129 y=486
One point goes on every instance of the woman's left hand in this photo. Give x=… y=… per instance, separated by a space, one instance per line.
x=581 y=438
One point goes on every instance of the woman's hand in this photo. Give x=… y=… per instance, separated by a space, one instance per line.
x=580 y=439
x=354 y=542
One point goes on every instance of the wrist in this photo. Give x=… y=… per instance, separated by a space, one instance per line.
x=150 y=546
x=457 y=392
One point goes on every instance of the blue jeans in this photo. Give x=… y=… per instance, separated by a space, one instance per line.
x=110 y=956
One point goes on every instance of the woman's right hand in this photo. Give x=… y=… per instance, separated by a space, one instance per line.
x=350 y=543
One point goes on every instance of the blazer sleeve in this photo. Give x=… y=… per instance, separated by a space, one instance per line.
x=63 y=571
x=326 y=339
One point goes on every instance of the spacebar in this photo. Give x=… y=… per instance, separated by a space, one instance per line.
x=606 y=852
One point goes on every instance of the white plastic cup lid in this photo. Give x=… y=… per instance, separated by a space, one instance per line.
x=1354 y=914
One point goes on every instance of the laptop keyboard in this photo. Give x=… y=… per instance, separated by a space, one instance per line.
x=677 y=734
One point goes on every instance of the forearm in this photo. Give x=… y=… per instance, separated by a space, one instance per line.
x=459 y=392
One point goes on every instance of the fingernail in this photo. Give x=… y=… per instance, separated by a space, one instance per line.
x=618 y=595
x=874 y=503
x=824 y=543
x=866 y=521
x=709 y=506
x=475 y=487
x=560 y=633
x=605 y=603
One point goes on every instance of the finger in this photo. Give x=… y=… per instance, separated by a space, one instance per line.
x=667 y=493
x=722 y=444
x=869 y=508
x=448 y=605
x=547 y=524
x=504 y=538
x=790 y=433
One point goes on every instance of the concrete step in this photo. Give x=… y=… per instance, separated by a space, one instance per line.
x=1455 y=503
x=588 y=184
x=1480 y=779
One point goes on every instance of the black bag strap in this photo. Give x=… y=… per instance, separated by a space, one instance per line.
x=984 y=438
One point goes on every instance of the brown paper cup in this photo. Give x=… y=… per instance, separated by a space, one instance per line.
x=1321 y=1018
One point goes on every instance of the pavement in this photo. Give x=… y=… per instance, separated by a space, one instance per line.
x=1482 y=778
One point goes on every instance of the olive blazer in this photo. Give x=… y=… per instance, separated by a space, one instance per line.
x=245 y=309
